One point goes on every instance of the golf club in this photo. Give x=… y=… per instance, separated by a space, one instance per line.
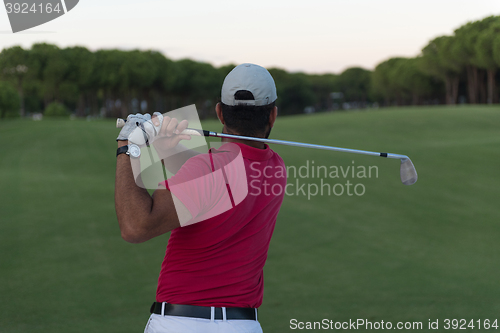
x=407 y=170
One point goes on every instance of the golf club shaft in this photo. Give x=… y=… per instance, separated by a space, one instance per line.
x=304 y=145
x=196 y=132
x=407 y=170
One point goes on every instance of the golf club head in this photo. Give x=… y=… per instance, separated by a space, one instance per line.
x=408 y=173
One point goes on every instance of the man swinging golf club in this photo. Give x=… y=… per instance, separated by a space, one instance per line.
x=211 y=279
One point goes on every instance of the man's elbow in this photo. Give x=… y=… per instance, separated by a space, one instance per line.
x=131 y=237
x=138 y=230
x=133 y=234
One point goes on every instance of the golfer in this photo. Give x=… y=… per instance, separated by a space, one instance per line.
x=211 y=278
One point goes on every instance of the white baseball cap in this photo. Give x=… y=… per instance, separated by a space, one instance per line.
x=250 y=77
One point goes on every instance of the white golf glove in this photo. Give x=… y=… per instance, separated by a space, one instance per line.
x=147 y=131
x=133 y=121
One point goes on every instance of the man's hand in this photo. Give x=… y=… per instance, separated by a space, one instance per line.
x=169 y=135
x=132 y=123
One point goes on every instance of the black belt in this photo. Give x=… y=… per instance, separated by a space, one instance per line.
x=203 y=312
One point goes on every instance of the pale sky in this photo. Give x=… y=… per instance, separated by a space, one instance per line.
x=314 y=36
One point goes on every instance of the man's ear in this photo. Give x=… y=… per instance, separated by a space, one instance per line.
x=218 y=110
x=272 y=117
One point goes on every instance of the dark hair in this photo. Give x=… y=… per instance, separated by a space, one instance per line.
x=247 y=120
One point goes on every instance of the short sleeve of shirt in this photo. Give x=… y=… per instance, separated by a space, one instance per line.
x=204 y=186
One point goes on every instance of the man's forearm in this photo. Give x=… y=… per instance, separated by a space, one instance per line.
x=133 y=204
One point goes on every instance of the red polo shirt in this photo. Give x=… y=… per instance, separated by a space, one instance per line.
x=219 y=260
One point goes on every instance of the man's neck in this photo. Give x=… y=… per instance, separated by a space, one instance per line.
x=255 y=144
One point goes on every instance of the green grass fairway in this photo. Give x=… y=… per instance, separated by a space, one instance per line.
x=397 y=253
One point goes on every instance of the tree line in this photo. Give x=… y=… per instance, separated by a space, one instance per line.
x=461 y=68
x=450 y=69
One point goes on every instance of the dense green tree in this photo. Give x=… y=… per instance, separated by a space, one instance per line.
x=382 y=82
x=56 y=110
x=496 y=57
x=199 y=83
x=106 y=75
x=137 y=74
x=50 y=68
x=79 y=84
x=440 y=61
x=322 y=87
x=401 y=81
x=294 y=91
x=355 y=83
x=466 y=52
x=414 y=84
x=15 y=67
x=163 y=86
x=9 y=99
x=485 y=45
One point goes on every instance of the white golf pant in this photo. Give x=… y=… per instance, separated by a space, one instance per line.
x=173 y=324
